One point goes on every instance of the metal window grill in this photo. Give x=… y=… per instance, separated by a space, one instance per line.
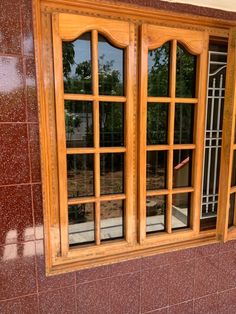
x=213 y=132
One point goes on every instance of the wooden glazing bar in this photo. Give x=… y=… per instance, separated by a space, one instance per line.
x=96 y=132
x=92 y=199
x=61 y=136
x=171 y=120
x=112 y=98
x=171 y=99
x=82 y=97
x=170 y=147
x=234 y=147
x=92 y=150
x=182 y=190
x=97 y=223
x=157 y=192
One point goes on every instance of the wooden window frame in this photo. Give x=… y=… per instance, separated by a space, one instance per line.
x=142 y=24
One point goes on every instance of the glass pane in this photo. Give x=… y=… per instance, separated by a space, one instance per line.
x=157 y=123
x=77 y=65
x=184 y=121
x=182 y=168
x=156 y=213
x=156 y=170
x=111 y=68
x=80 y=177
x=111 y=124
x=231 y=210
x=185 y=73
x=112 y=173
x=112 y=220
x=81 y=224
x=180 y=210
x=158 y=71
x=233 y=177
x=79 y=123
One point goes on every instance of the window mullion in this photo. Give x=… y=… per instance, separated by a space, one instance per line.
x=96 y=134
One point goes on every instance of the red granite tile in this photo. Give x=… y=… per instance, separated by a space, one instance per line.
x=25 y=305
x=206 y=305
x=154 y=288
x=227 y=304
x=155 y=260
x=17 y=270
x=206 y=275
x=60 y=301
x=35 y=152
x=38 y=211
x=181 y=282
x=16 y=220
x=31 y=90
x=92 y=274
x=207 y=250
x=227 y=270
x=12 y=98
x=93 y=297
x=27 y=25
x=182 y=308
x=125 y=293
x=10 y=39
x=125 y=267
x=159 y=311
x=52 y=282
x=181 y=255
x=14 y=160
x=228 y=246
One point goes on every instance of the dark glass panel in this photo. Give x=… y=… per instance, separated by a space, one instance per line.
x=79 y=123
x=111 y=124
x=231 y=210
x=156 y=213
x=158 y=71
x=184 y=122
x=77 y=65
x=112 y=220
x=157 y=123
x=185 y=73
x=111 y=68
x=181 y=210
x=112 y=173
x=233 y=176
x=80 y=176
x=156 y=170
x=182 y=168
x=81 y=224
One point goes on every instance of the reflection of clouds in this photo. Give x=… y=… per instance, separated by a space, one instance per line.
x=10 y=76
x=11 y=250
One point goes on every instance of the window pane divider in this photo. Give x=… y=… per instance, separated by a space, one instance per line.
x=172 y=99
x=93 y=97
x=170 y=147
x=173 y=191
x=92 y=199
x=96 y=150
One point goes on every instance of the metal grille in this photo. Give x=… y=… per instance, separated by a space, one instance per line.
x=213 y=132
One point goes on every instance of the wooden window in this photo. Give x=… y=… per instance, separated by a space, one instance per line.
x=125 y=100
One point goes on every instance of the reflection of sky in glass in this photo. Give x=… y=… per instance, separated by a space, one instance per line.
x=162 y=58
x=108 y=53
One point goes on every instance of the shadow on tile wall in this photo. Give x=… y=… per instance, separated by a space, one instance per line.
x=201 y=280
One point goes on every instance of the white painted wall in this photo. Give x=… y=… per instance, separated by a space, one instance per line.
x=226 y=5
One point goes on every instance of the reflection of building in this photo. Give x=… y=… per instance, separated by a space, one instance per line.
x=181 y=173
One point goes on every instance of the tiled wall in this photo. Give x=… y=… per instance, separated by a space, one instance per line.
x=199 y=280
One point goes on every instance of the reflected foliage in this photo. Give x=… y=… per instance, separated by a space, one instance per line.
x=157 y=124
x=184 y=122
x=185 y=73
x=158 y=71
x=111 y=124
